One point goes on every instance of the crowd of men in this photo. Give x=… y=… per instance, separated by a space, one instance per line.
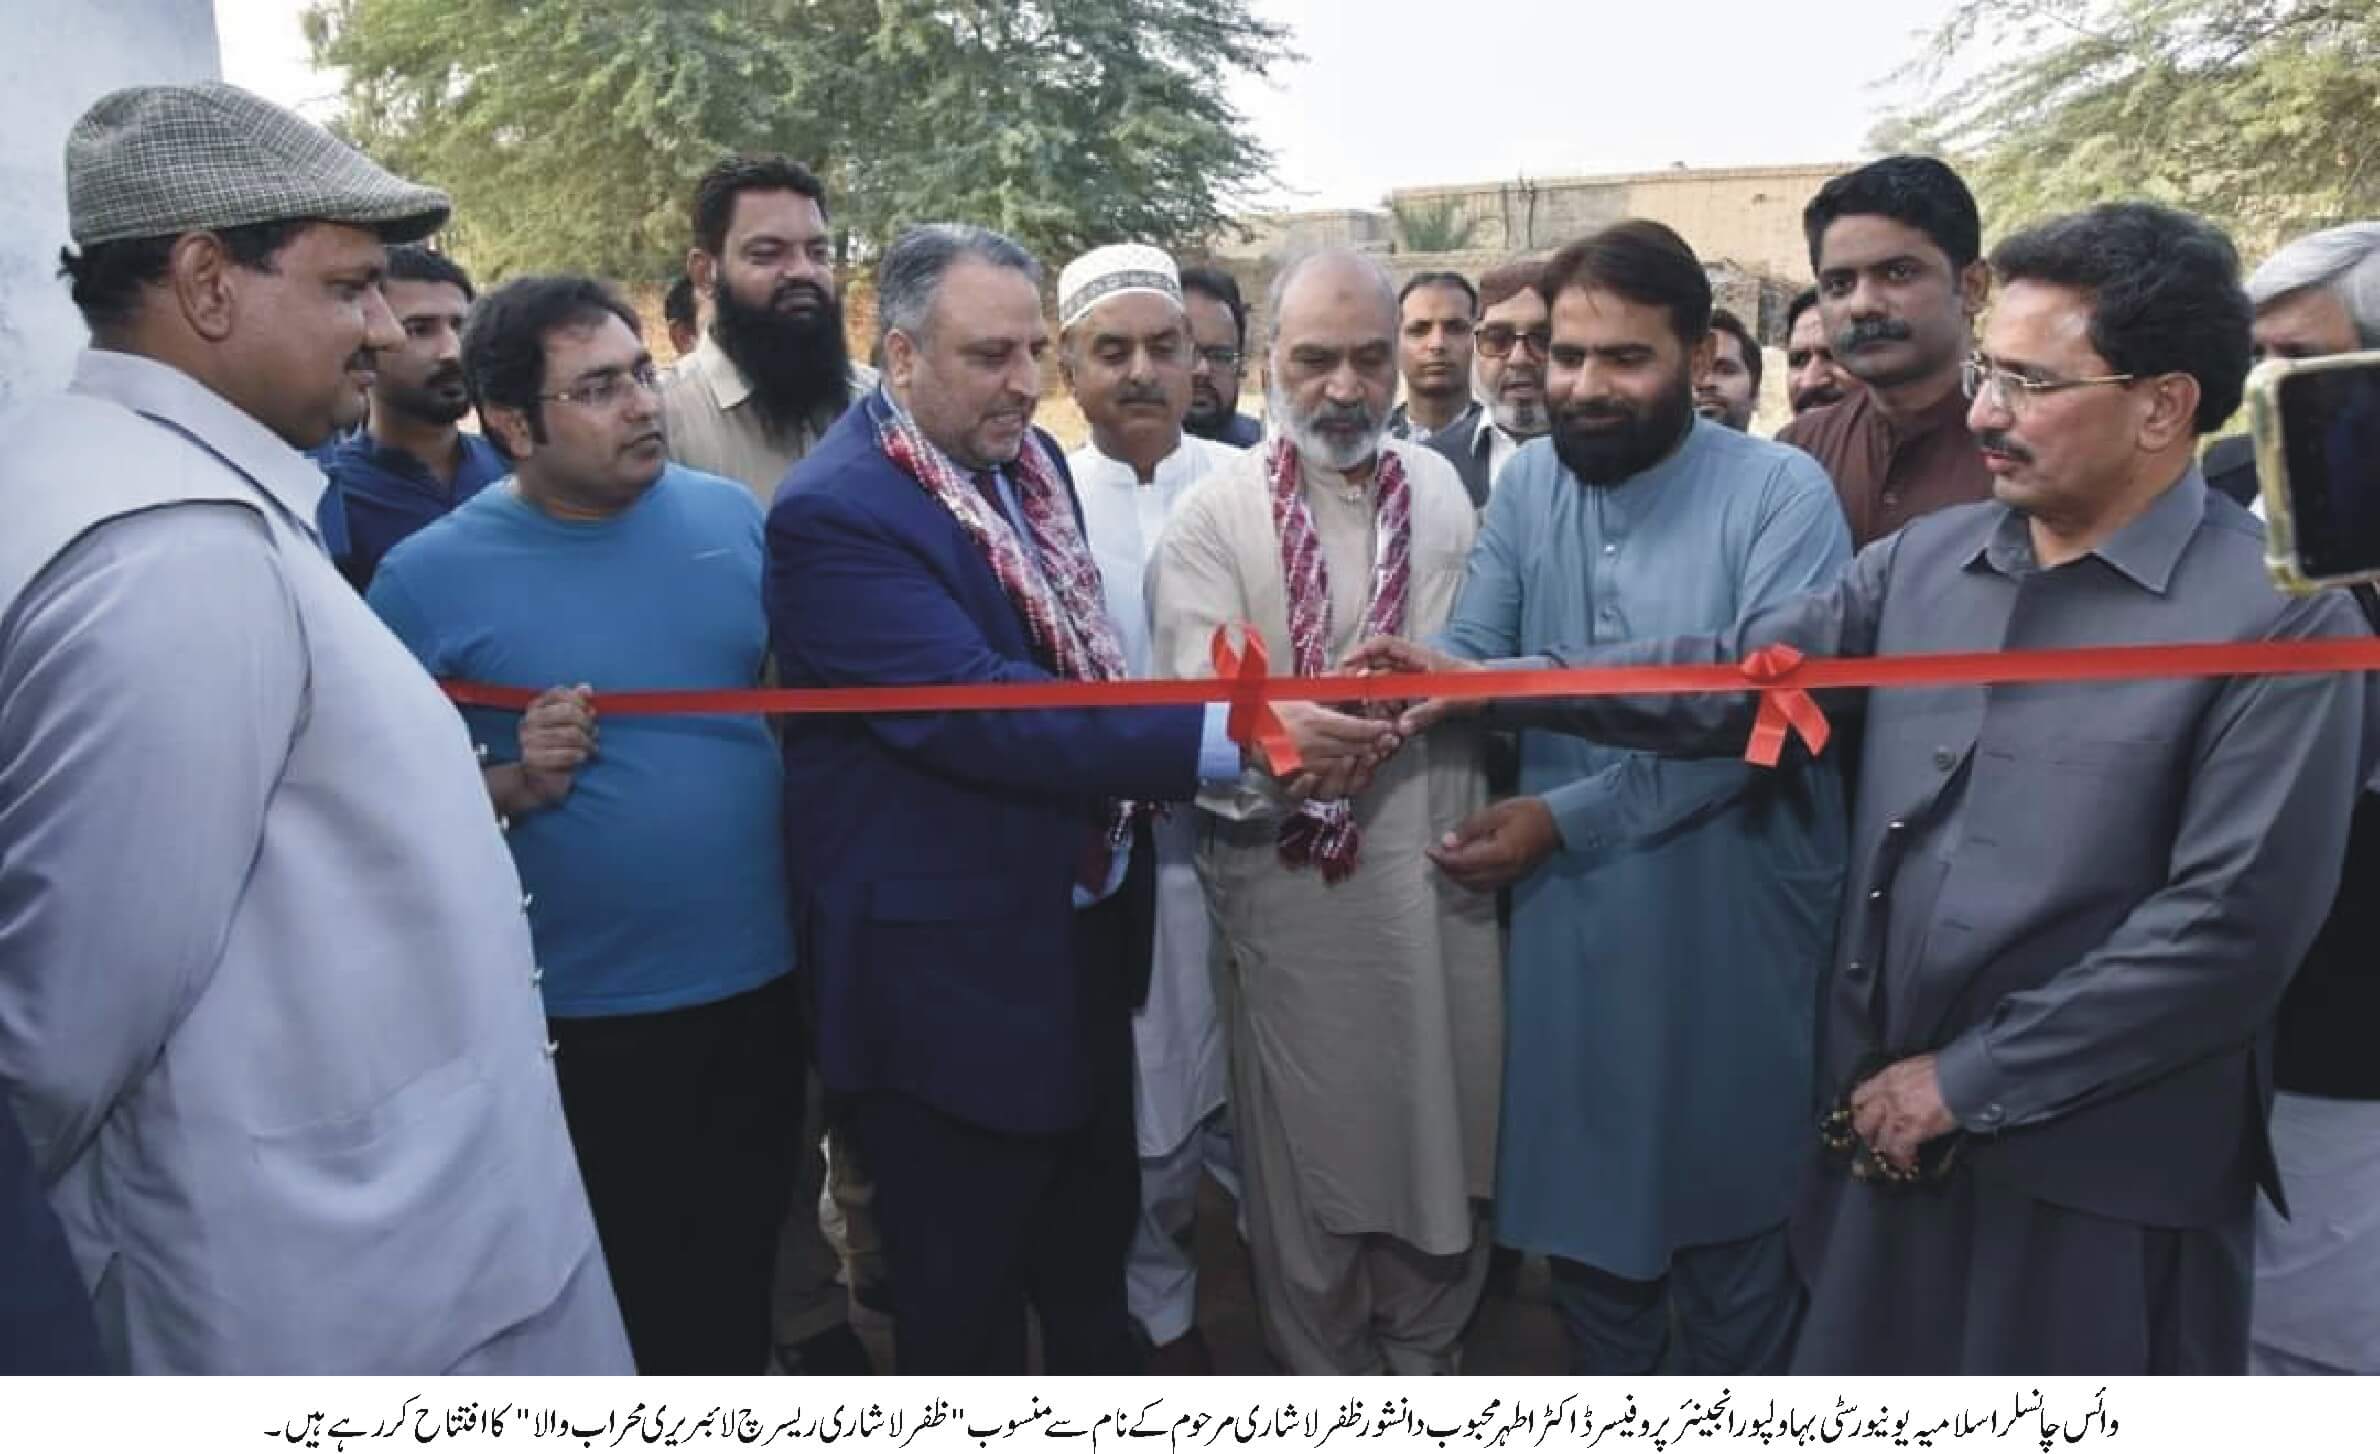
x=346 y=1030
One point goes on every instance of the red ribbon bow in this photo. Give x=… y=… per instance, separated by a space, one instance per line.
x=1252 y=722
x=1784 y=707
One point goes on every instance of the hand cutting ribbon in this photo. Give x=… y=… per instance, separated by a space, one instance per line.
x=1784 y=707
x=1253 y=723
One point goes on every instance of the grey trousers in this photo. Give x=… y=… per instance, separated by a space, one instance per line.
x=1735 y=1302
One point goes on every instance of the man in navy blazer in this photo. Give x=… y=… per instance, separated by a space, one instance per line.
x=974 y=933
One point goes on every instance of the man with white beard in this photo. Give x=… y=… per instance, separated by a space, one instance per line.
x=1124 y=350
x=1362 y=987
x=1507 y=377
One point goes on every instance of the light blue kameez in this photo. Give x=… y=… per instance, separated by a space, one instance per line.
x=1663 y=971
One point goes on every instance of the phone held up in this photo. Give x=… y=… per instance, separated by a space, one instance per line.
x=2316 y=423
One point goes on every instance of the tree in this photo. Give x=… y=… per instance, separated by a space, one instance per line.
x=1434 y=227
x=571 y=131
x=2263 y=115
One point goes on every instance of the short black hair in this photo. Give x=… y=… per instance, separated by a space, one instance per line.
x=677 y=305
x=1725 y=321
x=410 y=262
x=2164 y=288
x=504 y=341
x=1643 y=262
x=1803 y=302
x=1917 y=192
x=107 y=277
x=1442 y=278
x=715 y=193
x=1223 y=288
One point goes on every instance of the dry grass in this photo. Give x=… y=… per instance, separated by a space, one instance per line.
x=1058 y=414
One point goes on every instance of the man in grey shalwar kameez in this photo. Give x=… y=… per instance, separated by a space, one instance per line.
x=268 y=1006
x=2072 y=907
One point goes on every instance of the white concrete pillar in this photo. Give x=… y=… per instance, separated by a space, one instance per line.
x=58 y=57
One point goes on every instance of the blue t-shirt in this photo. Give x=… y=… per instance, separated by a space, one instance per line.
x=660 y=881
x=379 y=495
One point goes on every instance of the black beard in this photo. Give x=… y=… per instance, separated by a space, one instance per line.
x=799 y=367
x=1621 y=454
x=426 y=403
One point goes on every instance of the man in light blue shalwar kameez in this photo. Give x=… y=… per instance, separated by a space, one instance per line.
x=1670 y=927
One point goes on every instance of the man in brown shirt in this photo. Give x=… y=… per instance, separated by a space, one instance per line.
x=1896 y=248
x=772 y=371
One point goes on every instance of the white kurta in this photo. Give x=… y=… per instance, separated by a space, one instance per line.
x=1177 y=1036
x=1369 y=1010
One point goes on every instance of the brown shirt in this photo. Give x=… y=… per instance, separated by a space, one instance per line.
x=714 y=425
x=1887 y=476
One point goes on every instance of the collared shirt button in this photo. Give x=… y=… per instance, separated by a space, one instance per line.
x=482 y=749
x=503 y=824
x=1896 y=826
x=1875 y=896
x=1610 y=549
x=1991 y=1115
x=537 y=974
x=1945 y=759
x=526 y=901
x=1853 y=967
x=552 y=1048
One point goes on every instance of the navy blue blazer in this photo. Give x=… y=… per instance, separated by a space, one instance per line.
x=933 y=855
x=46 y=1323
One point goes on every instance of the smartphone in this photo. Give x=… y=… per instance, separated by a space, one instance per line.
x=2316 y=423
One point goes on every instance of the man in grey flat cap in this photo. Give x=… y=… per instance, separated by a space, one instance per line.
x=268 y=1012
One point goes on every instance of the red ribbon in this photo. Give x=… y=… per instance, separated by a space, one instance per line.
x=1790 y=683
x=1253 y=722
x=1784 y=707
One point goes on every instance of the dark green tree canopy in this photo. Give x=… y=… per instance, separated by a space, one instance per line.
x=2263 y=115
x=571 y=131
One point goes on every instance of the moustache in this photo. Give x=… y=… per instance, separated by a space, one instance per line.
x=1132 y=394
x=1818 y=397
x=1347 y=416
x=1590 y=415
x=1865 y=331
x=809 y=293
x=1996 y=441
x=446 y=376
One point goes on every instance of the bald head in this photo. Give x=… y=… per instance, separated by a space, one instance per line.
x=1333 y=364
x=1335 y=279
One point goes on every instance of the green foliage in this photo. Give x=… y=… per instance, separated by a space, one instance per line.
x=1434 y=227
x=571 y=131
x=2263 y=115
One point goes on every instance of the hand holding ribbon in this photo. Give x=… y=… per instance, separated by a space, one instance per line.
x=1314 y=750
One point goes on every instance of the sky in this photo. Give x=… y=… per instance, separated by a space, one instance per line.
x=1402 y=93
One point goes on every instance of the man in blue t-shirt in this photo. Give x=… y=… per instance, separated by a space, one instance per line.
x=651 y=847
x=413 y=462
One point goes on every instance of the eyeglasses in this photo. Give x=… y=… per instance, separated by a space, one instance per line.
x=609 y=387
x=2014 y=392
x=1497 y=339
x=1222 y=360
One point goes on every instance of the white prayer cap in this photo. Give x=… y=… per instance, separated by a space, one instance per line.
x=1104 y=272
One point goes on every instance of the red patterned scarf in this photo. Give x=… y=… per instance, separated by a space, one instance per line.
x=1056 y=586
x=1325 y=833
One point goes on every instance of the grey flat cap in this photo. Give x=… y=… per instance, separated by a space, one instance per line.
x=152 y=161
